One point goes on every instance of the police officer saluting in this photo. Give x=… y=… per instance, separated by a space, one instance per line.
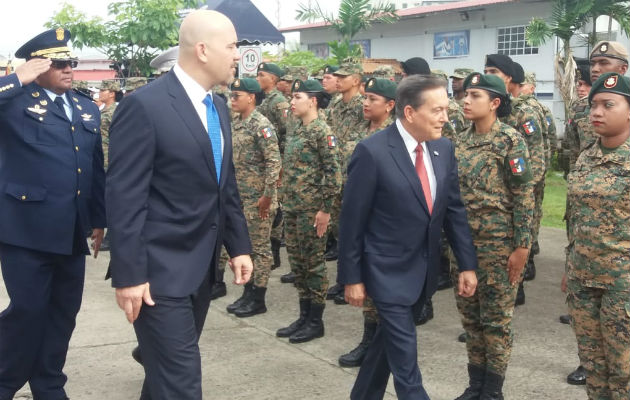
x=51 y=173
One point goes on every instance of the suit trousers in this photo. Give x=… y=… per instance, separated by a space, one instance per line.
x=393 y=350
x=45 y=292
x=168 y=335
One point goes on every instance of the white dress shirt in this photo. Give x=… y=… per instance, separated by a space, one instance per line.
x=66 y=104
x=197 y=94
x=410 y=145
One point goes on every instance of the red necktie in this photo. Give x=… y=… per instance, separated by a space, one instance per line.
x=424 y=177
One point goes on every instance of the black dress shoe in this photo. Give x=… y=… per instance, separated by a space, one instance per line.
x=425 y=314
x=577 y=377
x=288 y=278
x=334 y=290
x=218 y=290
x=462 y=338
x=340 y=298
x=444 y=282
x=565 y=319
x=135 y=353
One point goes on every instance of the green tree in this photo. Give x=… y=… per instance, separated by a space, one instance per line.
x=353 y=17
x=304 y=58
x=136 y=31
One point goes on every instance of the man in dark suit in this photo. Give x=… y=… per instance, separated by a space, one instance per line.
x=52 y=179
x=402 y=190
x=172 y=202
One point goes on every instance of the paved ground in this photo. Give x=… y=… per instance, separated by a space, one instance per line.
x=242 y=358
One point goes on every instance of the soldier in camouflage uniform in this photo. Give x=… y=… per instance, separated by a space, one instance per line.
x=598 y=262
x=257 y=165
x=311 y=181
x=134 y=83
x=107 y=95
x=497 y=189
x=344 y=118
x=529 y=123
x=457 y=84
x=456 y=121
x=378 y=106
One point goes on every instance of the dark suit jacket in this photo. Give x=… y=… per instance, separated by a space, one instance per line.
x=388 y=240
x=51 y=169
x=167 y=214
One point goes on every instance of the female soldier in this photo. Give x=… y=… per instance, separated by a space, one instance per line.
x=497 y=189
x=598 y=259
x=378 y=107
x=257 y=164
x=311 y=179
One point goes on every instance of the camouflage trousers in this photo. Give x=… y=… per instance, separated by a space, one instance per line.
x=487 y=315
x=601 y=322
x=306 y=255
x=370 y=314
x=259 y=234
x=539 y=194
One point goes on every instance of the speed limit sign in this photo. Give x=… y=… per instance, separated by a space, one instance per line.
x=251 y=56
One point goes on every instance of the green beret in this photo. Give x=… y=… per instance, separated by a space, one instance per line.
x=611 y=82
x=381 y=86
x=489 y=82
x=330 y=69
x=248 y=85
x=308 y=86
x=462 y=73
x=110 y=84
x=611 y=50
x=271 y=68
x=349 y=67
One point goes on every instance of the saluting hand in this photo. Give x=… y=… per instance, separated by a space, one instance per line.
x=467 y=283
x=321 y=222
x=242 y=268
x=130 y=300
x=355 y=294
x=516 y=264
x=30 y=70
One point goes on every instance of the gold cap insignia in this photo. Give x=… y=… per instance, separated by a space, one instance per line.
x=603 y=48
x=60 y=34
x=35 y=94
x=475 y=80
x=237 y=83
x=611 y=82
x=261 y=65
x=43 y=102
x=370 y=83
x=297 y=84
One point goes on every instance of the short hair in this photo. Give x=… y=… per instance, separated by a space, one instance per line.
x=410 y=91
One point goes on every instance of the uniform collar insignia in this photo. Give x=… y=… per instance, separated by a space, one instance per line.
x=43 y=102
x=79 y=107
x=86 y=117
x=35 y=109
x=35 y=94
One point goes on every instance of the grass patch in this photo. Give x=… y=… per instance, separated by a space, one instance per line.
x=554 y=202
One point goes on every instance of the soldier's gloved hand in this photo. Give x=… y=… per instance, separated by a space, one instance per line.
x=30 y=70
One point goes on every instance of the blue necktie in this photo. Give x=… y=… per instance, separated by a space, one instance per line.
x=214 y=131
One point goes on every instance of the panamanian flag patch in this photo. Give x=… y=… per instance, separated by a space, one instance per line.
x=266 y=133
x=529 y=127
x=517 y=165
x=548 y=121
x=285 y=113
x=332 y=141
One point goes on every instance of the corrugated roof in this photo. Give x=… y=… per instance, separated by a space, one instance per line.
x=415 y=11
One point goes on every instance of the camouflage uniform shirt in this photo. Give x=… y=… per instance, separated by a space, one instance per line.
x=106 y=120
x=549 y=126
x=275 y=107
x=456 y=121
x=345 y=119
x=599 y=219
x=256 y=158
x=311 y=177
x=579 y=133
x=496 y=185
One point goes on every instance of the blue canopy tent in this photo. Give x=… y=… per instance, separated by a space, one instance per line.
x=251 y=25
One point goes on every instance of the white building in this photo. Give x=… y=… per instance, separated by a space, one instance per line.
x=460 y=34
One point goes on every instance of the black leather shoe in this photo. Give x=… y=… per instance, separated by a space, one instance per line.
x=530 y=270
x=341 y=298
x=218 y=290
x=254 y=304
x=520 y=295
x=334 y=290
x=135 y=353
x=444 y=282
x=577 y=377
x=288 y=278
x=355 y=357
x=313 y=328
x=565 y=319
x=462 y=338
x=305 y=308
x=425 y=314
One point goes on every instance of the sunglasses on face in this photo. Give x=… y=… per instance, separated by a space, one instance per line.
x=62 y=64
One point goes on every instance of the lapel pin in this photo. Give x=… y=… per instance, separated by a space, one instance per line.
x=436 y=153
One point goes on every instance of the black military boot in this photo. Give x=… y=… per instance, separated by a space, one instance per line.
x=135 y=354
x=334 y=290
x=520 y=295
x=217 y=290
x=288 y=278
x=313 y=328
x=565 y=319
x=246 y=292
x=423 y=314
x=305 y=308
x=275 y=251
x=530 y=269
x=340 y=298
x=476 y=376
x=492 y=387
x=462 y=337
x=577 y=377
x=254 y=303
x=355 y=357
